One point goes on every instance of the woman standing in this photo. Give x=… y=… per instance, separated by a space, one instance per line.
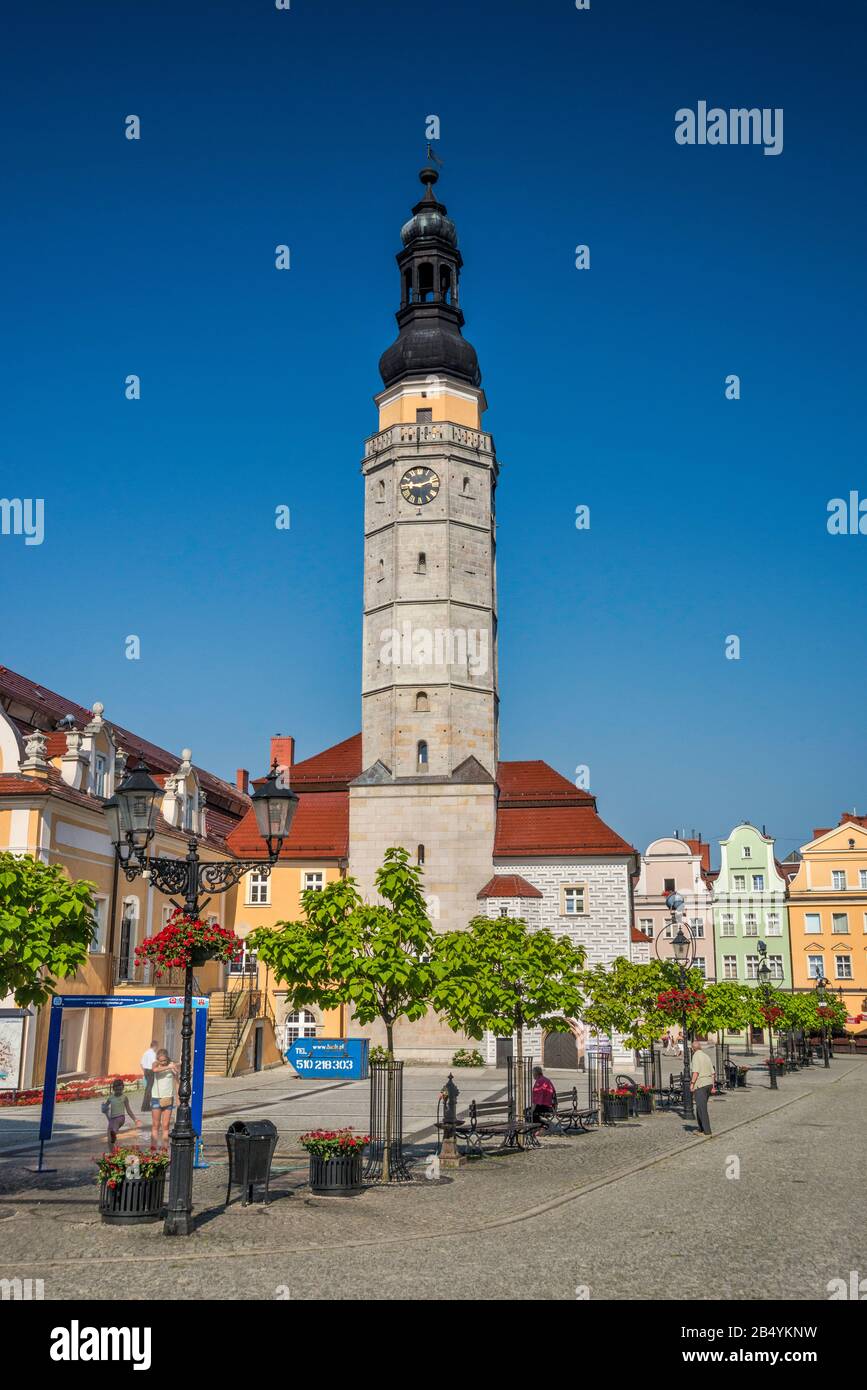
x=165 y=1073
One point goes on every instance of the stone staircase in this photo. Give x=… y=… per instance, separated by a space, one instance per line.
x=222 y=1033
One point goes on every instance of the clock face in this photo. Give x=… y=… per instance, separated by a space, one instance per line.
x=419 y=486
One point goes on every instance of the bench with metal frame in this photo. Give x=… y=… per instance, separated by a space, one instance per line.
x=572 y=1117
x=492 y=1119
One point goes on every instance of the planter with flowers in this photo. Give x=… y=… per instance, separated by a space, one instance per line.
x=616 y=1103
x=131 y=1185
x=778 y=1062
x=335 y=1160
x=187 y=941
x=642 y=1100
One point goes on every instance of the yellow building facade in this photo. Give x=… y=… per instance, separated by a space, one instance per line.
x=828 y=916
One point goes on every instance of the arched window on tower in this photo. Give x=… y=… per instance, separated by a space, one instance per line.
x=425 y=281
x=422 y=756
x=380 y=570
x=422 y=563
x=419 y=855
x=421 y=701
x=407 y=287
x=445 y=284
x=466 y=487
x=380 y=491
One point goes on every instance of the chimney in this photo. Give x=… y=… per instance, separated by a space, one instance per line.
x=242 y=780
x=283 y=749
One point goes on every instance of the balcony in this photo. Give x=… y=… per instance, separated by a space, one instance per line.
x=440 y=432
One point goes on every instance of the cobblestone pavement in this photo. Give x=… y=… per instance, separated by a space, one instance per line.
x=771 y=1207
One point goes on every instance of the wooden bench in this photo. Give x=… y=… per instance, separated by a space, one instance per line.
x=570 y=1116
x=492 y=1119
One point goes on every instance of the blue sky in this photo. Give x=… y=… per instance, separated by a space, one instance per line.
x=606 y=387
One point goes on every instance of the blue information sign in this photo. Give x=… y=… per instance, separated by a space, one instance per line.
x=343 y=1058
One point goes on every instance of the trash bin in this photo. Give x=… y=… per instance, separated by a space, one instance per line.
x=251 y=1145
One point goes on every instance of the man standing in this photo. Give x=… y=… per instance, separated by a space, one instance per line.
x=149 y=1056
x=701 y=1082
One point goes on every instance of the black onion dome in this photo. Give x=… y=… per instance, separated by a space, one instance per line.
x=429 y=318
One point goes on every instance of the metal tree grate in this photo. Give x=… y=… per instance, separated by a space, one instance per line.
x=386 y=1124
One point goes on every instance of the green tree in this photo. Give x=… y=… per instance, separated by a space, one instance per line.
x=375 y=957
x=730 y=1006
x=500 y=976
x=622 y=998
x=46 y=927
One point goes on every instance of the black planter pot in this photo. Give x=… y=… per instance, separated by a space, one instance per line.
x=134 y=1201
x=200 y=955
x=742 y=1079
x=337 y=1175
x=616 y=1107
x=642 y=1104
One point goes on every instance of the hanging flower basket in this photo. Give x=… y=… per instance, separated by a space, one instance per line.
x=335 y=1160
x=772 y=1014
x=187 y=941
x=680 y=1001
x=131 y=1186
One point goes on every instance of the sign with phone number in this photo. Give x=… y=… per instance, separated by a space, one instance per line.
x=344 y=1058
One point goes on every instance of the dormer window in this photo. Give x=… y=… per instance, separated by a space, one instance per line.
x=100 y=775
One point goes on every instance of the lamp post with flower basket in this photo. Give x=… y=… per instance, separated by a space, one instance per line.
x=681 y=1001
x=186 y=941
x=770 y=1013
x=825 y=1013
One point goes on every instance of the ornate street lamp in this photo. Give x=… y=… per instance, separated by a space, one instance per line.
x=821 y=994
x=683 y=950
x=131 y=815
x=763 y=975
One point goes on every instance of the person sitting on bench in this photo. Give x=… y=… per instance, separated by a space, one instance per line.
x=544 y=1098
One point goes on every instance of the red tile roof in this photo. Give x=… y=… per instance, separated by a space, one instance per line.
x=508 y=886
x=335 y=767
x=320 y=830
x=639 y=936
x=536 y=781
x=555 y=832
x=702 y=848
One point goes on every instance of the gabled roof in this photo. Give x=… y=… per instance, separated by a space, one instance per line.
x=508 y=886
x=536 y=781
x=555 y=832
x=320 y=830
x=640 y=937
x=334 y=767
x=702 y=849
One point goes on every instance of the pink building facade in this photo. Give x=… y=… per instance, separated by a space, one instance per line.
x=681 y=866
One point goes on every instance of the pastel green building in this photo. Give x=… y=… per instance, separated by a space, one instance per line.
x=749 y=906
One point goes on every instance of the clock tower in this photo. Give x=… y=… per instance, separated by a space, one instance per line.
x=429 y=673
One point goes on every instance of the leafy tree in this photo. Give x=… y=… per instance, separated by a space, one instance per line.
x=729 y=1005
x=46 y=927
x=501 y=976
x=373 y=956
x=623 y=998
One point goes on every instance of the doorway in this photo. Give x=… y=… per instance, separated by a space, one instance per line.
x=559 y=1050
x=505 y=1049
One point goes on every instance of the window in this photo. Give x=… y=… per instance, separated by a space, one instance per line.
x=245 y=963
x=758 y=883
x=257 y=889
x=419 y=854
x=645 y=925
x=422 y=754
x=380 y=571
x=862 y=878
x=667 y=932
x=696 y=926
x=572 y=900
x=740 y=883
x=775 y=965
x=380 y=491
x=727 y=924
x=746 y=852
x=100 y=917
x=813 y=923
x=466 y=487
x=815 y=967
x=843 y=967
x=421 y=567
x=730 y=967
x=99 y=788
x=838 y=879
x=166 y=913
x=772 y=924
x=840 y=921
x=300 y=1024
x=314 y=879
x=421 y=702
x=699 y=964
x=187 y=816
x=752 y=963
x=424 y=415
x=669 y=885
x=503 y=912
x=751 y=924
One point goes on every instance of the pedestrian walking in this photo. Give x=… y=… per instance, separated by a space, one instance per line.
x=701 y=1082
x=116 y=1108
x=149 y=1056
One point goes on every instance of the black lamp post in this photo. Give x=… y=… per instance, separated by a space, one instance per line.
x=131 y=815
x=683 y=950
x=764 y=978
x=821 y=995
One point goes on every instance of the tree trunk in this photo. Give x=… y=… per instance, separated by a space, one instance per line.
x=520 y=1099
x=389 y=1102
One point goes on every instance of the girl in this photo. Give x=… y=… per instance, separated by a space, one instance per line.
x=165 y=1072
x=115 y=1109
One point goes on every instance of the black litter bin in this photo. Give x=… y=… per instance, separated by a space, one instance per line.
x=251 y=1145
